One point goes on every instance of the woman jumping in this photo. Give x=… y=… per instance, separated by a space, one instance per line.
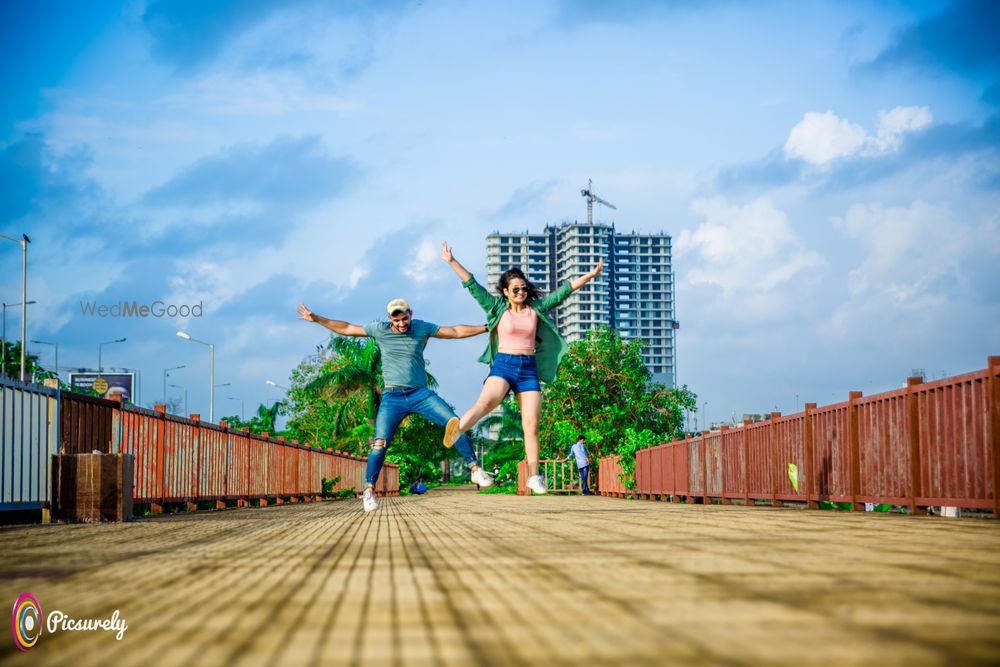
x=524 y=347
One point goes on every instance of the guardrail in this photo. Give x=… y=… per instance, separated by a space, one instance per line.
x=926 y=444
x=177 y=459
x=29 y=435
x=186 y=460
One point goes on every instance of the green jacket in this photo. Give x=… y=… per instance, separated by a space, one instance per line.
x=549 y=345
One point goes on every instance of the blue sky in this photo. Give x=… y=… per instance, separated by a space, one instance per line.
x=829 y=172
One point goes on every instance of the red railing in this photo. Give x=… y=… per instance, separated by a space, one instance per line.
x=934 y=443
x=186 y=460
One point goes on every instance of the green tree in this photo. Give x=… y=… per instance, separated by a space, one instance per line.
x=418 y=451
x=603 y=391
x=335 y=395
x=12 y=361
x=508 y=449
x=357 y=370
x=264 y=421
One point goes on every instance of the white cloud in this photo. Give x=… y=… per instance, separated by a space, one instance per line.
x=908 y=249
x=425 y=262
x=750 y=252
x=820 y=138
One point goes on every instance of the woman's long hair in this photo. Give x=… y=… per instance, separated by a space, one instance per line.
x=510 y=274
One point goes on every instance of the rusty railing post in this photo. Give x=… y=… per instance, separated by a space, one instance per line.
x=192 y=503
x=808 y=458
x=993 y=363
x=722 y=464
x=746 y=462
x=913 y=426
x=704 y=468
x=854 y=438
x=778 y=467
x=157 y=508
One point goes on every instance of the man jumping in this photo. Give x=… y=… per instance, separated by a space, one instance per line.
x=401 y=341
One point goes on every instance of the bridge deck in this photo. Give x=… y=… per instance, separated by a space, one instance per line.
x=457 y=578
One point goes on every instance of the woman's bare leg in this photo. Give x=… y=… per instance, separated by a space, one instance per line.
x=531 y=410
x=494 y=390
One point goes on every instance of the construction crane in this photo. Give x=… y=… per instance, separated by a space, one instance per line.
x=591 y=198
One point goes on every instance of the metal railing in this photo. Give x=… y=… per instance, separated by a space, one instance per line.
x=927 y=444
x=176 y=459
x=560 y=476
x=29 y=435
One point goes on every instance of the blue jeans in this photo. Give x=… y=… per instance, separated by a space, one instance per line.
x=397 y=402
x=584 y=473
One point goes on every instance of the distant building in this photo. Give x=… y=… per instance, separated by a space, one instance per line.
x=635 y=295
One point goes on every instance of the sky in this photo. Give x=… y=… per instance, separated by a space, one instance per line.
x=829 y=173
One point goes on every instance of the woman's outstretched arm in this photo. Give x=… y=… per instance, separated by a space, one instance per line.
x=588 y=276
x=448 y=257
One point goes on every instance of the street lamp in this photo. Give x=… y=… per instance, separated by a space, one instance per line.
x=3 y=354
x=211 y=374
x=177 y=386
x=242 y=407
x=165 y=373
x=56 y=345
x=100 y=351
x=275 y=384
x=704 y=415
x=24 y=241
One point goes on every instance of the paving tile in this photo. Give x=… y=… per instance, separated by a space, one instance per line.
x=457 y=578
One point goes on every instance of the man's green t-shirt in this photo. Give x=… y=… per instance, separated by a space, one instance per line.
x=403 y=353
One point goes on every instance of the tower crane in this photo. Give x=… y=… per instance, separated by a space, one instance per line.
x=591 y=198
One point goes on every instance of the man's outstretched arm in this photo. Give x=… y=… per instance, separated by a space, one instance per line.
x=336 y=326
x=461 y=331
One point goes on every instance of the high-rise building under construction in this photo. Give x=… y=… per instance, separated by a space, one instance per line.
x=635 y=295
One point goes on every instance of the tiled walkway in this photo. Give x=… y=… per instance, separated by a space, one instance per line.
x=457 y=578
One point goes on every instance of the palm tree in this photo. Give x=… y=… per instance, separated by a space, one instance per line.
x=355 y=371
x=507 y=423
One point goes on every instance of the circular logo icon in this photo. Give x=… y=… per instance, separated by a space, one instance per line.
x=26 y=622
x=100 y=386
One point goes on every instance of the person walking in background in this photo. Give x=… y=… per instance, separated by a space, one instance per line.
x=401 y=342
x=579 y=452
x=524 y=348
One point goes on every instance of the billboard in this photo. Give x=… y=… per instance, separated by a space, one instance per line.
x=107 y=385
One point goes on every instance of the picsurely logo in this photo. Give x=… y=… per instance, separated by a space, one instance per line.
x=26 y=623
x=135 y=309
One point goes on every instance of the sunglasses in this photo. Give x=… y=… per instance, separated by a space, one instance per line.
x=517 y=290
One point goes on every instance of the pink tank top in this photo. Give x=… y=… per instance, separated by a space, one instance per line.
x=517 y=330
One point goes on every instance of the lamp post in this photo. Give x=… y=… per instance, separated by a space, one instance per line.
x=24 y=241
x=704 y=416
x=275 y=384
x=55 y=345
x=100 y=352
x=3 y=336
x=242 y=407
x=177 y=386
x=211 y=374
x=165 y=373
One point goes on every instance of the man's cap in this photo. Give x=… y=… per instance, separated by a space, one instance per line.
x=397 y=304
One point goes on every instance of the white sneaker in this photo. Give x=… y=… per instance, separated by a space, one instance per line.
x=368 y=500
x=537 y=484
x=482 y=478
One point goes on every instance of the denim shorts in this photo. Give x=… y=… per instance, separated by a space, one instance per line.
x=518 y=370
